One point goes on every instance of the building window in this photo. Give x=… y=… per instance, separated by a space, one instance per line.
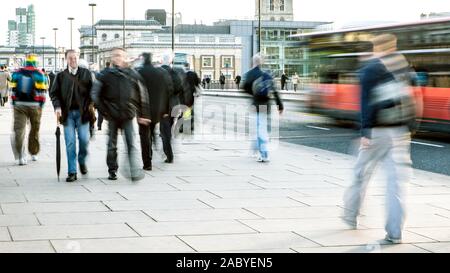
x=50 y=61
x=227 y=62
x=116 y=36
x=272 y=6
x=104 y=37
x=281 y=5
x=208 y=61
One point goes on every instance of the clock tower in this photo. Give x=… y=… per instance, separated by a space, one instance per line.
x=275 y=10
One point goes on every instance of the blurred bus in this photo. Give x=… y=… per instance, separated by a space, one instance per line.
x=336 y=56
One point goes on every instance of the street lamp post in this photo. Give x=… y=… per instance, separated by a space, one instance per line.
x=56 y=48
x=259 y=26
x=173 y=28
x=93 y=5
x=71 y=31
x=43 y=52
x=123 y=38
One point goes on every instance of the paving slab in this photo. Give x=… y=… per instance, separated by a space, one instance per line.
x=246 y=242
x=123 y=245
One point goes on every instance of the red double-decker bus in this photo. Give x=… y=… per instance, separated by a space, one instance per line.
x=336 y=56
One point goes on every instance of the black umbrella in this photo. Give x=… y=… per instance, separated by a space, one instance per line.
x=58 y=150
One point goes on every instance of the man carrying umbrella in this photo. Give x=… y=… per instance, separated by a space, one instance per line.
x=71 y=97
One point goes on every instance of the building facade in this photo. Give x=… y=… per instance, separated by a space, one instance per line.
x=21 y=32
x=282 y=53
x=208 y=54
x=48 y=57
x=112 y=30
x=275 y=10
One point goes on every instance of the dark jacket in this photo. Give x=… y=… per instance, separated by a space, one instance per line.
x=68 y=87
x=160 y=89
x=222 y=79
x=177 y=82
x=191 y=83
x=247 y=86
x=372 y=75
x=120 y=95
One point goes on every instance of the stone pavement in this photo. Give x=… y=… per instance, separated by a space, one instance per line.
x=215 y=198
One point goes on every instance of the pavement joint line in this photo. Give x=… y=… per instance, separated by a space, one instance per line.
x=260 y=187
x=210 y=192
x=244 y=224
x=37 y=218
x=103 y=203
x=128 y=225
x=174 y=187
x=205 y=204
x=149 y=216
x=418 y=246
x=53 y=247
x=298 y=234
x=184 y=242
x=295 y=200
x=10 y=235
x=254 y=213
x=439 y=207
x=424 y=236
x=318 y=128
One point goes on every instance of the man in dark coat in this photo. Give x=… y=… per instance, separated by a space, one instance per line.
x=121 y=97
x=162 y=100
x=71 y=97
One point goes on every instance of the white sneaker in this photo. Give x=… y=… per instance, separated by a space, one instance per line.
x=263 y=160
x=34 y=158
x=23 y=161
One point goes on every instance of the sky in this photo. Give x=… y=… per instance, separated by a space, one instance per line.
x=54 y=13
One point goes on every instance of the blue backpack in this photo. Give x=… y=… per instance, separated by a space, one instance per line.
x=25 y=89
x=263 y=85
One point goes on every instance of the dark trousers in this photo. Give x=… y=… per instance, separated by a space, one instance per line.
x=165 y=127
x=147 y=137
x=99 y=121
x=128 y=130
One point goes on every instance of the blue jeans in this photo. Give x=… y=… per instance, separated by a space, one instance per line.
x=391 y=146
x=262 y=139
x=72 y=125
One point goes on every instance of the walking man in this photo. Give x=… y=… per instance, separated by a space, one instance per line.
x=260 y=85
x=4 y=88
x=162 y=100
x=29 y=86
x=71 y=97
x=382 y=140
x=121 y=97
x=295 y=81
x=222 y=81
x=284 y=79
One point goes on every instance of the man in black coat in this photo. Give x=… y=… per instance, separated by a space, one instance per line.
x=121 y=97
x=71 y=98
x=162 y=100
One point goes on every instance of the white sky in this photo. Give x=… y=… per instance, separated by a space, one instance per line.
x=54 y=13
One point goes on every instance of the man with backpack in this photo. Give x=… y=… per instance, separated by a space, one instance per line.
x=260 y=85
x=387 y=108
x=28 y=85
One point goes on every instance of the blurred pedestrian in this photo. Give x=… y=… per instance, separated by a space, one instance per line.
x=208 y=82
x=29 y=86
x=238 y=80
x=51 y=77
x=261 y=86
x=191 y=87
x=222 y=81
x=162 y=99
x=284 y=79
x=71 y=98
x=5 y=77
x=121 y=97
x=295 y=81
x=100 y=118
x=386 y=113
